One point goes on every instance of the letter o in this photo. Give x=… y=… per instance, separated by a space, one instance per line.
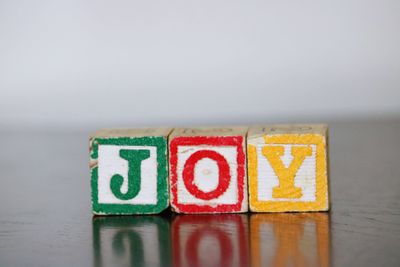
x=223 y=177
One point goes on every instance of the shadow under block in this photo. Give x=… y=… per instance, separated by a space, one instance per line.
x=129 y=171
x=287 y=168
x=208 y=170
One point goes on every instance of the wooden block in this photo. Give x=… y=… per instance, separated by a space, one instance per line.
x=131 y=241
x=287 y=167
x=290 y=239
x=210 y=240
x=208 y=170
x=129 y=171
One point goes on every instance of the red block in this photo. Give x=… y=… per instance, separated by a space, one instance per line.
x=208 y=170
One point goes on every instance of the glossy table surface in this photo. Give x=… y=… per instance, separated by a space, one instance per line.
x=45 y=215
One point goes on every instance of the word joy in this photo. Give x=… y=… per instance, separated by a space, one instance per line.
x=271 y=168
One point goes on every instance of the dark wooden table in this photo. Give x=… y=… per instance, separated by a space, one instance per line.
x=45 y=216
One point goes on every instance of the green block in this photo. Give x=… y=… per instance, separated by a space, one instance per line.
x=129 y=171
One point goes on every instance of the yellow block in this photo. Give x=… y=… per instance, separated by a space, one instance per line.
x=287 y=168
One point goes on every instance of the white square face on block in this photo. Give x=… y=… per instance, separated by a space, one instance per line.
x=206 y=175
x=305 y=177
x=110 y=163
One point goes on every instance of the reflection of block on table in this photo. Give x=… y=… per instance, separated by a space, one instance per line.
x=287 y=168
x=290 y=239
x=129 y=171
x=210 y=240
x=131 y=241
x=208 y=170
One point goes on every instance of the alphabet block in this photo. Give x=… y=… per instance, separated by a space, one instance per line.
x=208 y=170
x=287 y=167
x=129 y=171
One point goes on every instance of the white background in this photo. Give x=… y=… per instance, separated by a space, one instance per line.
x=127 y=63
